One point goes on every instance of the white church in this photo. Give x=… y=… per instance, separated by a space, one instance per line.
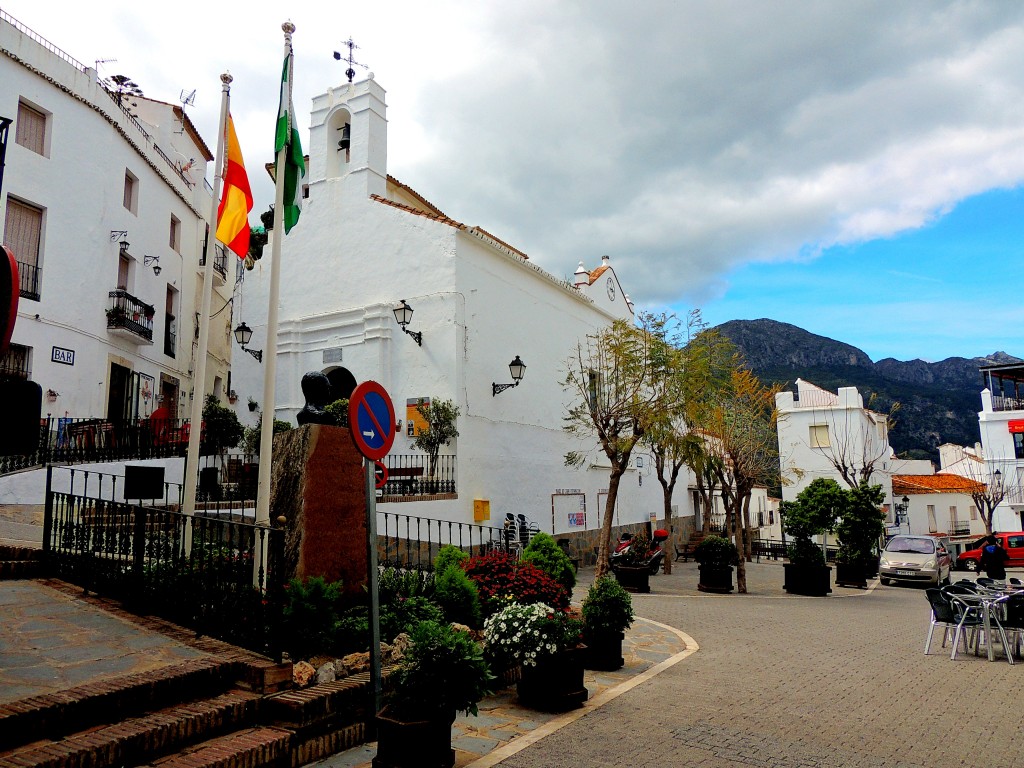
x=364 y=244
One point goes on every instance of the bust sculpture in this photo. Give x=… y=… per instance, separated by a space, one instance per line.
x=316 y=388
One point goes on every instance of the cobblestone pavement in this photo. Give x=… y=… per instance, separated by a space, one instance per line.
x=799 y=682
x=50 y=641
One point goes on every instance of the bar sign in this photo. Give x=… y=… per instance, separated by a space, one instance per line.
x=63 y=356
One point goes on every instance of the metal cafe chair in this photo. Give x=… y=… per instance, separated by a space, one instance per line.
x=942 y=616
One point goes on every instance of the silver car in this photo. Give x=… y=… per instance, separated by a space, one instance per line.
x=920 y=559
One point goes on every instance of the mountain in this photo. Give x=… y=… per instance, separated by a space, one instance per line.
x=939 y=402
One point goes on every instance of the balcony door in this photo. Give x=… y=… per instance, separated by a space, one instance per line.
x=123 y=396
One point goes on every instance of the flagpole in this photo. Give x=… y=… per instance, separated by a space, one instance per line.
x=270 y=347
x=191 y=473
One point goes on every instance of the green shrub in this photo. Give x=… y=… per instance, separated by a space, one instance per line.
x=443 y=671
x=221 y=427
x=607 y=608
x=251 y=435
x=352 y=632
x=544 y=553
x=394 y=584
x=449 y=554
x=404 y=614
x=311 y=611
x=715 y=551
x=457 y=595
x=339 y=409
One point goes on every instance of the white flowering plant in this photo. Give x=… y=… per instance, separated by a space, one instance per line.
x=521 y=634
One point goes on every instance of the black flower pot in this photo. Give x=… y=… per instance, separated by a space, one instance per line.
x=604 y=651
x=555 y=683
x=715 y=578
x=414 y=744
x=633 y=578
x=852 y=575
x=812 y=580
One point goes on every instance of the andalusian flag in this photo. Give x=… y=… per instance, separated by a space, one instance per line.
x=236 y=199
x=288 y=138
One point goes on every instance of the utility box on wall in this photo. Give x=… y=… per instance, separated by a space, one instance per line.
x=481 y=510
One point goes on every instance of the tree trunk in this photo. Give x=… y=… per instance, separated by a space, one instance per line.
x=669 y=554
x=606 y=524
x=741 y=561
x=747 y=548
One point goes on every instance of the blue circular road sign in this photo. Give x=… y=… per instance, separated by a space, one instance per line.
x=371 y=419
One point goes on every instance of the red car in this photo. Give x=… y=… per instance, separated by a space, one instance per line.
x=1013 y=543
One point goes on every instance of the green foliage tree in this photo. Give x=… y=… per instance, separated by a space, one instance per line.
x=813 y=513
x=221 y=427
x=441 y=417
x=861 y=523
x=543 y=551
x=611 y=382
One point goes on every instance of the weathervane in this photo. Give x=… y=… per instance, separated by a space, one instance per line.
x=351 y=62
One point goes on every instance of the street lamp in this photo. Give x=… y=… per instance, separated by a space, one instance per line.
x=518 y=369
x=403 y=314
x=242 y=335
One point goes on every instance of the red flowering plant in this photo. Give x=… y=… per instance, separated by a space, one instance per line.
x=499 y=577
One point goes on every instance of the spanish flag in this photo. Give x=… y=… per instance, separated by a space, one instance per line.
x=236 y=199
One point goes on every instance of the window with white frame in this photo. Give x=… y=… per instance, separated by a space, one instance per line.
x=31 y=129
x=819 y=436
x=933 y=525
x=131 y=192
x=974 y=512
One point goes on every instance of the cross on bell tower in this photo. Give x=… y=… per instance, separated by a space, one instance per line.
x=349 y=72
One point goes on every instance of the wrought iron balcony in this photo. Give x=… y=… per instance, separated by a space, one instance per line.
x=130 y=317
x=220 y=264
x=28 y=277
x=959 y=528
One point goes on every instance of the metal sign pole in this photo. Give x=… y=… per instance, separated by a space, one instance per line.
x=371 y=581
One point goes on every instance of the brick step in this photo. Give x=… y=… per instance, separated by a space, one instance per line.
x=251 y=748
x=54 y=715
x=11 y=552
x=328 y=705
x=139 y=739
x=20 y=569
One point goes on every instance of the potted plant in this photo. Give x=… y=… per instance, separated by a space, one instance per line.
x=812 y=514
x=631 y=569
x=546 y=643
x=253 y=405
x=861 y=525
x=607 y=614
x=443 y=672
x=716 y=556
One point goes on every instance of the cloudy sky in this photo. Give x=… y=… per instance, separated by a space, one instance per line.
x=849 y=167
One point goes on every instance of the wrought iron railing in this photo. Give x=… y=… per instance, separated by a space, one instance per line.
x=410 y=474
x=815 y=399
x=14 y=363
x=220 y=577
x=413 y=542
x=28 y=281
x=130 y=313
x=959 y=528
x=77 y=441
x=775 y=549
x=1007 y=403
x=220 y=261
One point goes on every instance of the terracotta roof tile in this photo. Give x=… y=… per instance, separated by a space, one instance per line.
x=597 y=273
x=439 y=217
x=949 y=483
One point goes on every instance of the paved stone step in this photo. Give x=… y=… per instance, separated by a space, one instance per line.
x=138 y=739
x=11 y=552
x=54 y=715
x=20 y=569
x=251 y=748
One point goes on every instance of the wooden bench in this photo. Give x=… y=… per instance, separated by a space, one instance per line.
x=405 y=476
x=682 y=554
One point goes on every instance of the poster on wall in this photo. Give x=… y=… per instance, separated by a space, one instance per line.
x=414 y=422
x=146 y=390
x=568 y=510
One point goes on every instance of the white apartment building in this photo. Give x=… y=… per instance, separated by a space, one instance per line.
x=105 y=206
x=364 y=243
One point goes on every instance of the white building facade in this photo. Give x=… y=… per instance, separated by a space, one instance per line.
x=105 y=206
x=365 y=242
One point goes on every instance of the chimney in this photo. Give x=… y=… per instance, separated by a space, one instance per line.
x=582 y=276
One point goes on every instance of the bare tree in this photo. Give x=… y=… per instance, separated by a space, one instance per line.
x=987 y=491
x=858 y=441
x=611 y=380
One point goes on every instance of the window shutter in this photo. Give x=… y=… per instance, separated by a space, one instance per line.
x=23 y=231
x=31 y=130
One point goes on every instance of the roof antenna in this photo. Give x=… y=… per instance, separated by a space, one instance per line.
x=350 y=73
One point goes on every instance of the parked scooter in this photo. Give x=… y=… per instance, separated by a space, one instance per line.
x=624 y=552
